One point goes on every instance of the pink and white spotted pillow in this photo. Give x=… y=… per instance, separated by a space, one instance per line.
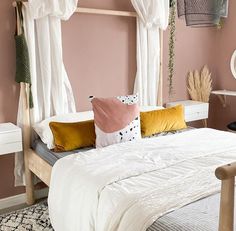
x=116 y=119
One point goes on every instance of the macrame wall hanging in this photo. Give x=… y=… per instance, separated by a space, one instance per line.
x=200 y=13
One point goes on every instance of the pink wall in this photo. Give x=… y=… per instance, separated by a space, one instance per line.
x=103 y=62
x=9 y=92
x=194 y=48
x=99 y=54
x=223 y=79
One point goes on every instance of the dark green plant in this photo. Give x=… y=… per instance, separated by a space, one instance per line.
x=172 y=29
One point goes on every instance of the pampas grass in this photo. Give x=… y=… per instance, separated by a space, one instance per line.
x=200 y=84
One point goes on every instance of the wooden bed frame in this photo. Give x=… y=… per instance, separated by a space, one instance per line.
x=35 y=165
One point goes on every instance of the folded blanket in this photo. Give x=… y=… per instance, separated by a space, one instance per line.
x=126 y=187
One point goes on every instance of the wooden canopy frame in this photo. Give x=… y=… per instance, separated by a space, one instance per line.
x=35 y=165
x=124 y=14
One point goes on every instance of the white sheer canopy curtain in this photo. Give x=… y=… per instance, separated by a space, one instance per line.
x=51 y=89
x=153 y=15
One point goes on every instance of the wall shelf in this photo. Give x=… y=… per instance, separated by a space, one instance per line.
x=222 y=95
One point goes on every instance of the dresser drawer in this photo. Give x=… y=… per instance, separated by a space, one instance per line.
x=196 y=112
x=193 y=110
x=10 y=148
x=10 y=138
x=200 y=115
x=196 y=108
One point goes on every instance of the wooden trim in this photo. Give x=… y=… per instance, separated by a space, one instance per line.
x=99 y=11
x=29 y=186
x=106 y=12
x=39 y=167
x=21 y=198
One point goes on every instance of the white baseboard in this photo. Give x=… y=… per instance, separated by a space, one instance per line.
x=21 y=198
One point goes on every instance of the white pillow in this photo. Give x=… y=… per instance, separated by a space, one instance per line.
x=43 y=130
x=150 y=108
x=116 y=119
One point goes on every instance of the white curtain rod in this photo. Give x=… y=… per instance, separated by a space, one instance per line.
x=101 y=11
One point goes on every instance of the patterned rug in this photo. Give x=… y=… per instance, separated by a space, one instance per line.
x=34 y=218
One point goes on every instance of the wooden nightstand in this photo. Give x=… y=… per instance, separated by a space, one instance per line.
x=10 y=138
x=194 y=110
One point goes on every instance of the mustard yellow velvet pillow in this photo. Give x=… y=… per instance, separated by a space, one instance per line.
x=71 y=136
x=163 y=120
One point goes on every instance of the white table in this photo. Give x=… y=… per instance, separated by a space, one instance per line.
x=10 y=138
x=194 y=110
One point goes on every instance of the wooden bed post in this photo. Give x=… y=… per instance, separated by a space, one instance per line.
x=29 y=185
x=226 y=222
x=24 y=92
x=227 y=175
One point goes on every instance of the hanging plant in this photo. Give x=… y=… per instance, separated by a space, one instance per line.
x=172 y=29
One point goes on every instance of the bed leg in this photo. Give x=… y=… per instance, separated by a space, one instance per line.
x=204 y=123
x=29 y=184
x=226 y=222
x=29 y=187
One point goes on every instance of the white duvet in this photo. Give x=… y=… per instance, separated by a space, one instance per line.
x=126 y=187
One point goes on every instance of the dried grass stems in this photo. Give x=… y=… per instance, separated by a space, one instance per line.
x=200 y=84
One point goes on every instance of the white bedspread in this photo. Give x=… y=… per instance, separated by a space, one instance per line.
x=126 y=187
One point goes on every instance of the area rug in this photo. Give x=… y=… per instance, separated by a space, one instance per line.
x=33 y=218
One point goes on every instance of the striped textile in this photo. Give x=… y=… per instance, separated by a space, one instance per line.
x=202 y=215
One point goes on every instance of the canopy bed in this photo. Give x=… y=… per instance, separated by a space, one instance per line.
x=37 y=165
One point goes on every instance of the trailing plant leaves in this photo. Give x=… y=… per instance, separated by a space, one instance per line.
x=172 y=29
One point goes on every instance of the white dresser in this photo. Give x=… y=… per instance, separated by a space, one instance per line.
x=193 y=110
x=10 y=138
